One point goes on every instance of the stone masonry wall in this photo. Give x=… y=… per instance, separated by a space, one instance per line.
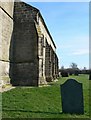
x=6 y=27
x=24 y=50
x=28 y=53
x=56 y=66
x=48 y=67
x=48 y=57
x=47 y=64
x=41 y=55
x=51 y=64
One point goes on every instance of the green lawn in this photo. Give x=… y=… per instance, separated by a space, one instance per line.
x=41 y=102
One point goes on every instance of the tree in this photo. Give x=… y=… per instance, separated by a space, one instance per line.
x=84 y=68
x=74 y=66
x=62 y=68
x=75 y=69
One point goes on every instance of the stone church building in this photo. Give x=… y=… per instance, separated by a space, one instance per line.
x=27 y=51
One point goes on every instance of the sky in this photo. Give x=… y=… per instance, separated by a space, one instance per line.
x=68 y=24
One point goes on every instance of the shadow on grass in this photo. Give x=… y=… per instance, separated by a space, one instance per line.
x=43 y=112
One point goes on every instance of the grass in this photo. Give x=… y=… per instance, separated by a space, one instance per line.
x=41 y=102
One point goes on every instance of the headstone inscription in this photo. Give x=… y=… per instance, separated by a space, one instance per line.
x=72 y=97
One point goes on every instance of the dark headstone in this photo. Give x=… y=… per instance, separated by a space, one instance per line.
x=64 y=74
x=90 y=76
x=72 y=97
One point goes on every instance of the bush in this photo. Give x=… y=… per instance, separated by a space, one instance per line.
x=76 y=73
x=64 y=74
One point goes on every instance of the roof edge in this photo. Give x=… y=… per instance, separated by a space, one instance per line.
x=47 y=28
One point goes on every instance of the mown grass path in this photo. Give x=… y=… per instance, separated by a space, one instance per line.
x=41 y=102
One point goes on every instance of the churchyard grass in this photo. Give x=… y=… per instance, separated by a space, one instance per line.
x=41 y=102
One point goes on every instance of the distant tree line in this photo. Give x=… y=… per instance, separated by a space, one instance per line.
x=73 y=70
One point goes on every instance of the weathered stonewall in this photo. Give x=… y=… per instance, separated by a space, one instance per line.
x=72 y=97
x=25 y=57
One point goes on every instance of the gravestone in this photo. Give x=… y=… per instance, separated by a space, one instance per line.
x=72 y=97
x=64 y=74
x=90 y=76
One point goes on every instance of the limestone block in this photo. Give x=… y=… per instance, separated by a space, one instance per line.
x=5 y=68
x=4 y=73
x=0 y=69
x=8 y=6
x=42 y=81
x=6 y=24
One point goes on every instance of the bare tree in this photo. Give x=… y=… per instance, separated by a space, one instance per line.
x=84 y=68
x=62 y=67
x=73 y=66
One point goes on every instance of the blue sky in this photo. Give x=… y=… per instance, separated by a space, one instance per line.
x=68 y=23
